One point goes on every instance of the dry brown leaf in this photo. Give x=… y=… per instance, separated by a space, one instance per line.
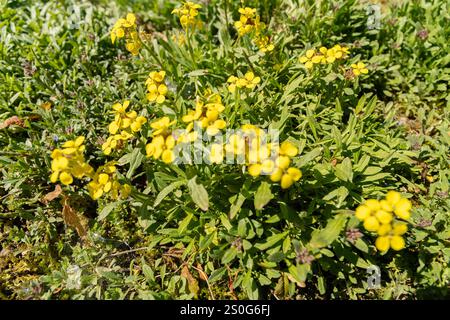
x=201 y=273
x=14 y=120
x=192 y=282
x=52 y=195
x=74 y=220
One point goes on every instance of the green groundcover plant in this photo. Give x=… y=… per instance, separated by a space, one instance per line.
x=224 y=149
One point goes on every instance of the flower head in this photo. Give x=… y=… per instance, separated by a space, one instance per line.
x=359 y=68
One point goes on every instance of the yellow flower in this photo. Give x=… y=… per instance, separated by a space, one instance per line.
x=321 y=57
x=292 y=175
x=157 y=90
x=307 y=58
x=216 y=153
x=246 y=23
x=399 y=228
x=402 y=209
x=69 y=162
x=340 y=52
x=133 y=43
x=65 y=178
x=120 y=27
x=249 y=81
x=382 y=243
x=373 y=204
x=392 y=197
x=161 y=147
x=362 y=212
x=255 y=169
x=105 y=181
x=384 y=229
x=276 y=175
x=359 y=68
x=371 y=224
x=383 y=216
x=127 y=28
x=188 y=14
x=121 y=108
x=378 y=216
x=397 y=243
x=264 y=43
x=288 y=149
x=161 y=126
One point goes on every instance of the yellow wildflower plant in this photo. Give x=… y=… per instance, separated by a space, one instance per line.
x=126 y=28
x=380 y=216
x=157 y=90
x=163 y=141
x=188 y=14
x=249 y=81
x=206 y=114
x=105 y=181
x=125 y=120
x=264 y=44
x=249 y=22
x=123 y=127
x=323 y=55
x=359 y=68
x=246 y=23
x=307 y=58
x=68 y=162
x=269 y=159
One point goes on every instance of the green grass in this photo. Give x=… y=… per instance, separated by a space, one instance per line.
x=357 y=139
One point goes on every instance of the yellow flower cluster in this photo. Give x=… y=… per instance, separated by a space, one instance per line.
x=260 y=157
x=69 y=162
x=123 y=127
x=247 y=21
x=250 y=22
x=206 y=114
x=126 y=28
x=274 y=161
x=249 y=81
x=378 y=216
x=323 y=55
x=105 y=181
x=163 y=141
x=188 y=13
x=359 y=68
x=157 y=90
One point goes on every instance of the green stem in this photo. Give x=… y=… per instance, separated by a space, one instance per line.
x=150 y=50
x=191 y=51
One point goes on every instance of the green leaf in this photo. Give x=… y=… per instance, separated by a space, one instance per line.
x=135 y=162
x=299 y=272
x=229 y=255
x=148 y=273
x=263 y=195
x=271 y=241
x=236 y=205
x=198 y=194
x=250 y=286
x=344 y=171
x=217 y=275
x=107 y=210
x=184 y=223
x=321 y=285
x=168 y=190
x=324 y=237
x=308 y=157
